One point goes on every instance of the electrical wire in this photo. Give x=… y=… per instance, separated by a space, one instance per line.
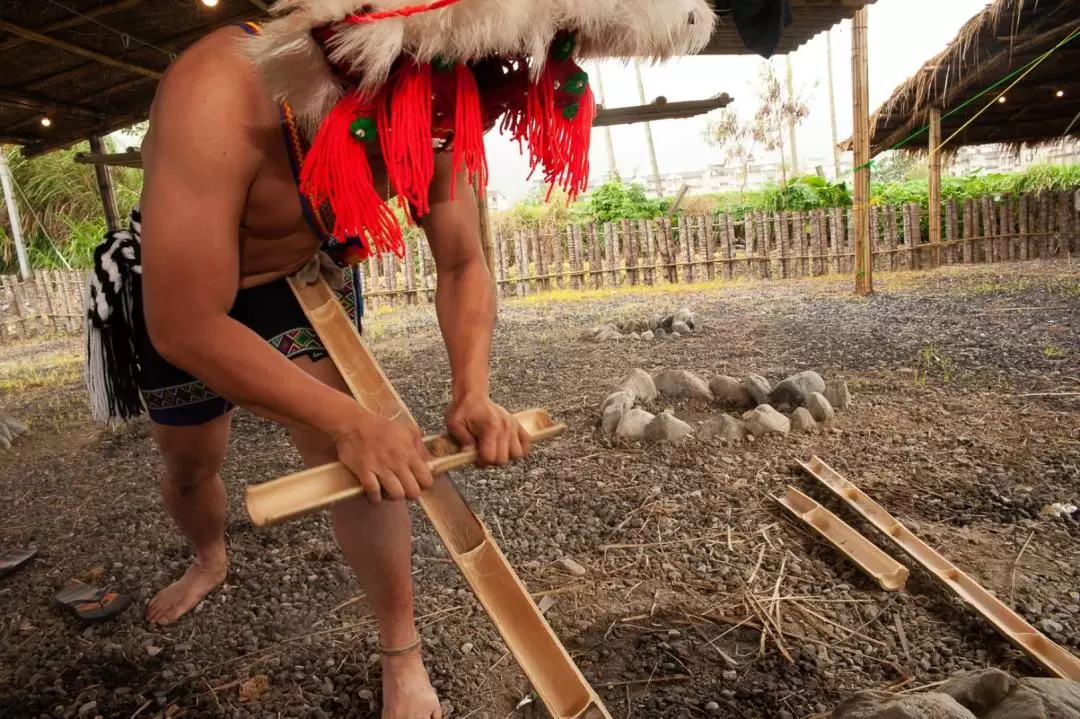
x=124 y=36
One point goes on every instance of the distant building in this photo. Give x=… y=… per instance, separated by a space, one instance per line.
x=497 y=201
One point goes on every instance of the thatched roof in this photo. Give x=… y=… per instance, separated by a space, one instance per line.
x=1009 y=36
x=91 y=66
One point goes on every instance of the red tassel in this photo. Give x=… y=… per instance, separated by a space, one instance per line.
x=468 y=129
x=574 y=138
x=404 y=120
x=336 y=170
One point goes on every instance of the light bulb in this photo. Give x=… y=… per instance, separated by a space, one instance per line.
x=210 y=3
x=46 y=122
x=1060 y=93
x=1001 y=99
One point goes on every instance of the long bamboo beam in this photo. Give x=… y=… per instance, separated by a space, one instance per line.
x=73 y=21
x=131 y=158
x=655 y=111
x=1014 y=627
x=105 y=186
x=934 y=203
x=77 y=49
x=557 y=680
x=38 y=104
x=860 y=72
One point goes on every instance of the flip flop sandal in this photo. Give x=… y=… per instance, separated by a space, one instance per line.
x=91 y=604
x=12 y=559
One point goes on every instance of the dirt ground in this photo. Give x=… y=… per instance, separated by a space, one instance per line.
x=964 y=425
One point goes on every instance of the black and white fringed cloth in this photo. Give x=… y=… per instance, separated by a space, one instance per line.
x=112 y=367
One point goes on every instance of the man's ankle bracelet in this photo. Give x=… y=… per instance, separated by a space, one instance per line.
x=400 y=651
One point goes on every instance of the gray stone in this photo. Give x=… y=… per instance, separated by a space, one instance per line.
x=659 y=333
x=681 y=328
x=612 y=419
x=666 y=427
x=820 y=408
x=608 y=334
x=803 y=421
x=758 y=387
x=639 y=384
x=687 y=317
x=633 y=423
x=634 y=336
x=729 y=393
x=1049 y=626
x=622 y=397
x=571 y=567
x=680 y=383
x=666 y=322
x=882 y=705
x=838 y=394
x=712 y=708
x=88 y=709
x=794 y=391
x=724 y=428
x=765 y=420
x=656 y=321
x=647 y=335
x=993 y=694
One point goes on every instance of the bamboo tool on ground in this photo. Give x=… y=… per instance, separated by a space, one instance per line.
x=318 y=488
x=886 y=571
x=557 y=680
x=1005 y=620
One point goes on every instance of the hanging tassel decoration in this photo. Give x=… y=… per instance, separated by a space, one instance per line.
x=404 y=125
x=572 y=132
x=336 y=170
x=468 y=129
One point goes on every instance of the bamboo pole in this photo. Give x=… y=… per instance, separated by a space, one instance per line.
x=105 y=186
x=935 y=185
x=77 y=50
x=864 y=270
x=13 y=215
x=557 y=680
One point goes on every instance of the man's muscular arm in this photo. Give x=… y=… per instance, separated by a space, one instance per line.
x=207 y=119
x=465 y=305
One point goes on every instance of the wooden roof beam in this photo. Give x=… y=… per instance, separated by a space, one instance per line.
x=77 y=49
x=131 y=158
x=37 y=104
x=73 y=21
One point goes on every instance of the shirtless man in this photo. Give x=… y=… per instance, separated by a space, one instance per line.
x=222 y=226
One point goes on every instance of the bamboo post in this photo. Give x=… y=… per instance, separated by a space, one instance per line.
x=1005 y=229
x=765 y=243
x=705 y=229
x=970 y=222
x=105 y=186
x=915 y=256
x=1064 y=221
x=1045 y=224
x=44 y=290
x=596 y=268
x=410 y=273
x=560 y=269
x=951 y=234
x=540 y=260
x=729 y=246
x=630 y=248
x=686 y=239
x=648 y=247
x=798 y=241
x=577 y=259
x=750 y=240
x=17 y=303
x=1024 y=246
x=425 y=267
x=520 y=285
x=503 y=266
x=935 y=185
x=989 y=220
x=864 y=270
x=390 y=268
x=838 y=238
x=609 y=253
x=884 y=236
x=664 y=243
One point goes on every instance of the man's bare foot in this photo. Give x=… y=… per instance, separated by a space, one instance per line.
x=407 y=691
x=180 y=597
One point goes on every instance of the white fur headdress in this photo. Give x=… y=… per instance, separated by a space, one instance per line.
x=295 y=66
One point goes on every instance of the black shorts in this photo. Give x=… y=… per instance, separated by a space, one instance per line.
x=173 y=397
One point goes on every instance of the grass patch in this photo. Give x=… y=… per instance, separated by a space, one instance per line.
x=48 y=370
x=1053 y=352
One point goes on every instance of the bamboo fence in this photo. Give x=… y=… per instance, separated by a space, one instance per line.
x=686 y=250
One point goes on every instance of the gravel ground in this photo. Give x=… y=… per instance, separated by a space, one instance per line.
x=960 y=426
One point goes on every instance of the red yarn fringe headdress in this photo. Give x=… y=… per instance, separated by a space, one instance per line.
x=405 y=80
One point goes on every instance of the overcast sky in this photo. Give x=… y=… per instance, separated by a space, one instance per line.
x=903 y=34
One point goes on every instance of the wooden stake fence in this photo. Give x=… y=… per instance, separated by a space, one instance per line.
x=763 y=245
